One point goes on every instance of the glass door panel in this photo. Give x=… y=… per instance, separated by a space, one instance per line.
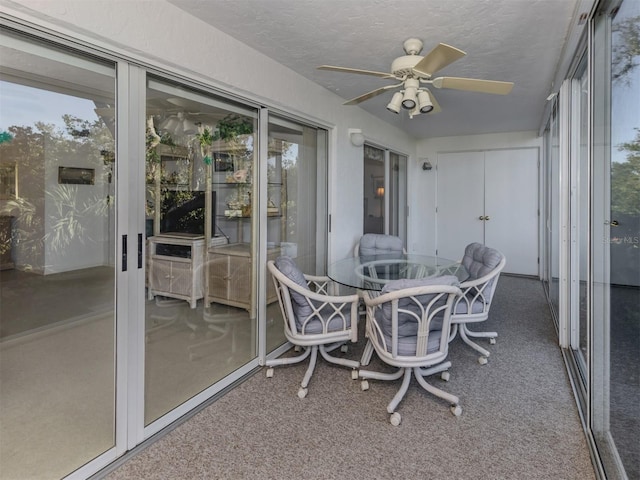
x=296 y=206
x=583 y=193
x=615 y=419
x=57 y=249
x=398 y=195
x=201 y=307
x=553 y=220
x=374 y=194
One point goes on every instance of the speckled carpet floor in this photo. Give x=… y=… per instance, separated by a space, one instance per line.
x=519 y=419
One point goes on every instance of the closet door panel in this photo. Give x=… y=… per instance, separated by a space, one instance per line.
x=511 y=205
x=460 y=202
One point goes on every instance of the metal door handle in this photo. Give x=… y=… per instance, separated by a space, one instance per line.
x=481 y=217
x=614 y=223
x=487 y=217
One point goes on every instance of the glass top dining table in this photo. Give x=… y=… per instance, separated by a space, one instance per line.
x=373 y=272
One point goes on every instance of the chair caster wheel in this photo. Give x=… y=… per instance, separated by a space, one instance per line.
x=302 y=392
x=269 y=372
x=482 y=360
x=354 y=374
x=445 y=376
x=344 y=348
x=364 y=385
x=456 y=410
x=395 y=419
x=492 y=341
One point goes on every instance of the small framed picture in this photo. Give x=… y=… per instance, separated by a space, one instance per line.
x=76 y=176
x=222 y=162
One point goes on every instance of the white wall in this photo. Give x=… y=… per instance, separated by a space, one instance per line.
x=422 y=184
x=76 y=218
x=159 y=33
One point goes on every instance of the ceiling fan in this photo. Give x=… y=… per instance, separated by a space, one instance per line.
x=413 y=71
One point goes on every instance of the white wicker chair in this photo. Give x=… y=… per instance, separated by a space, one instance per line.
x=313 y=319
x=484 y=265
x=408 y=325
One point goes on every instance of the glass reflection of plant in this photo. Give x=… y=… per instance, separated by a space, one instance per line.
x=234 y=132
x=38 y=151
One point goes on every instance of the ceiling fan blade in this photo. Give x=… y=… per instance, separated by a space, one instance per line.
x=371 y=94
x=356 y=70
x=473 y=85
x=438 y=58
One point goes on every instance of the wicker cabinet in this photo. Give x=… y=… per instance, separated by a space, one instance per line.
x=176 y=267
x=229 y=278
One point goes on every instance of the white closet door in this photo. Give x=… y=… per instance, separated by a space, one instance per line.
x=460 y=202
x=511 y=204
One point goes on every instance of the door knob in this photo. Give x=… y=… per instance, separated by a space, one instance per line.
x=614 y=223
x=487 y=217
x=481 y=217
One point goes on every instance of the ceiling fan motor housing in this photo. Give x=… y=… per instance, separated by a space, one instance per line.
x=403 y=66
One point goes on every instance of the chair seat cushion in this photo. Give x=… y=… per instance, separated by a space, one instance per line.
x=377 y=244
x=480 y=260
x=300 y=305
x=315 y=325
x=409 y=313
x=407 y=323
x=407 y=345
x=461 y=307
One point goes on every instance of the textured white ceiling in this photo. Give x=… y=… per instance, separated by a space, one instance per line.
x=511 y=40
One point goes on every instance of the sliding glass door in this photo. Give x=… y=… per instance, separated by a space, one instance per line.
x=296 y=206
x=200 y=210
x=385 y=192
x=57 y=250
x=179 y=234
x=615 y=389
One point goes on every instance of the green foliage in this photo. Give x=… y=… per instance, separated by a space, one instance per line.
x=626 y=48
x=206 y=137
x=625 y=179
x=232 y=126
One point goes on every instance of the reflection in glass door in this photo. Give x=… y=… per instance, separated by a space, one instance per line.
x=397 y=195
x=200 y=311
x=57 y=272
x=374 y=190
x=296 y=207
x=615 y=392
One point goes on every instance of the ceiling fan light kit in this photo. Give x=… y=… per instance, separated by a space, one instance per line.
x=396 y=103
x=424 y=102
x=412 y=70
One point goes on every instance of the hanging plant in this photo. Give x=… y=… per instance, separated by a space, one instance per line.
x=232 y=126
x=230 y=130
x=205 y=138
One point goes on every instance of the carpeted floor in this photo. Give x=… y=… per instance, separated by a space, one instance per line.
x=519 y=419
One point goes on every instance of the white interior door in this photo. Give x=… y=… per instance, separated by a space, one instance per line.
x=511 y=207
x=460 y=202
x=490 y=197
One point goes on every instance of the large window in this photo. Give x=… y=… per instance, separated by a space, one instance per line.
x=385 y=192
x=57 y=249
x=615 y=393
